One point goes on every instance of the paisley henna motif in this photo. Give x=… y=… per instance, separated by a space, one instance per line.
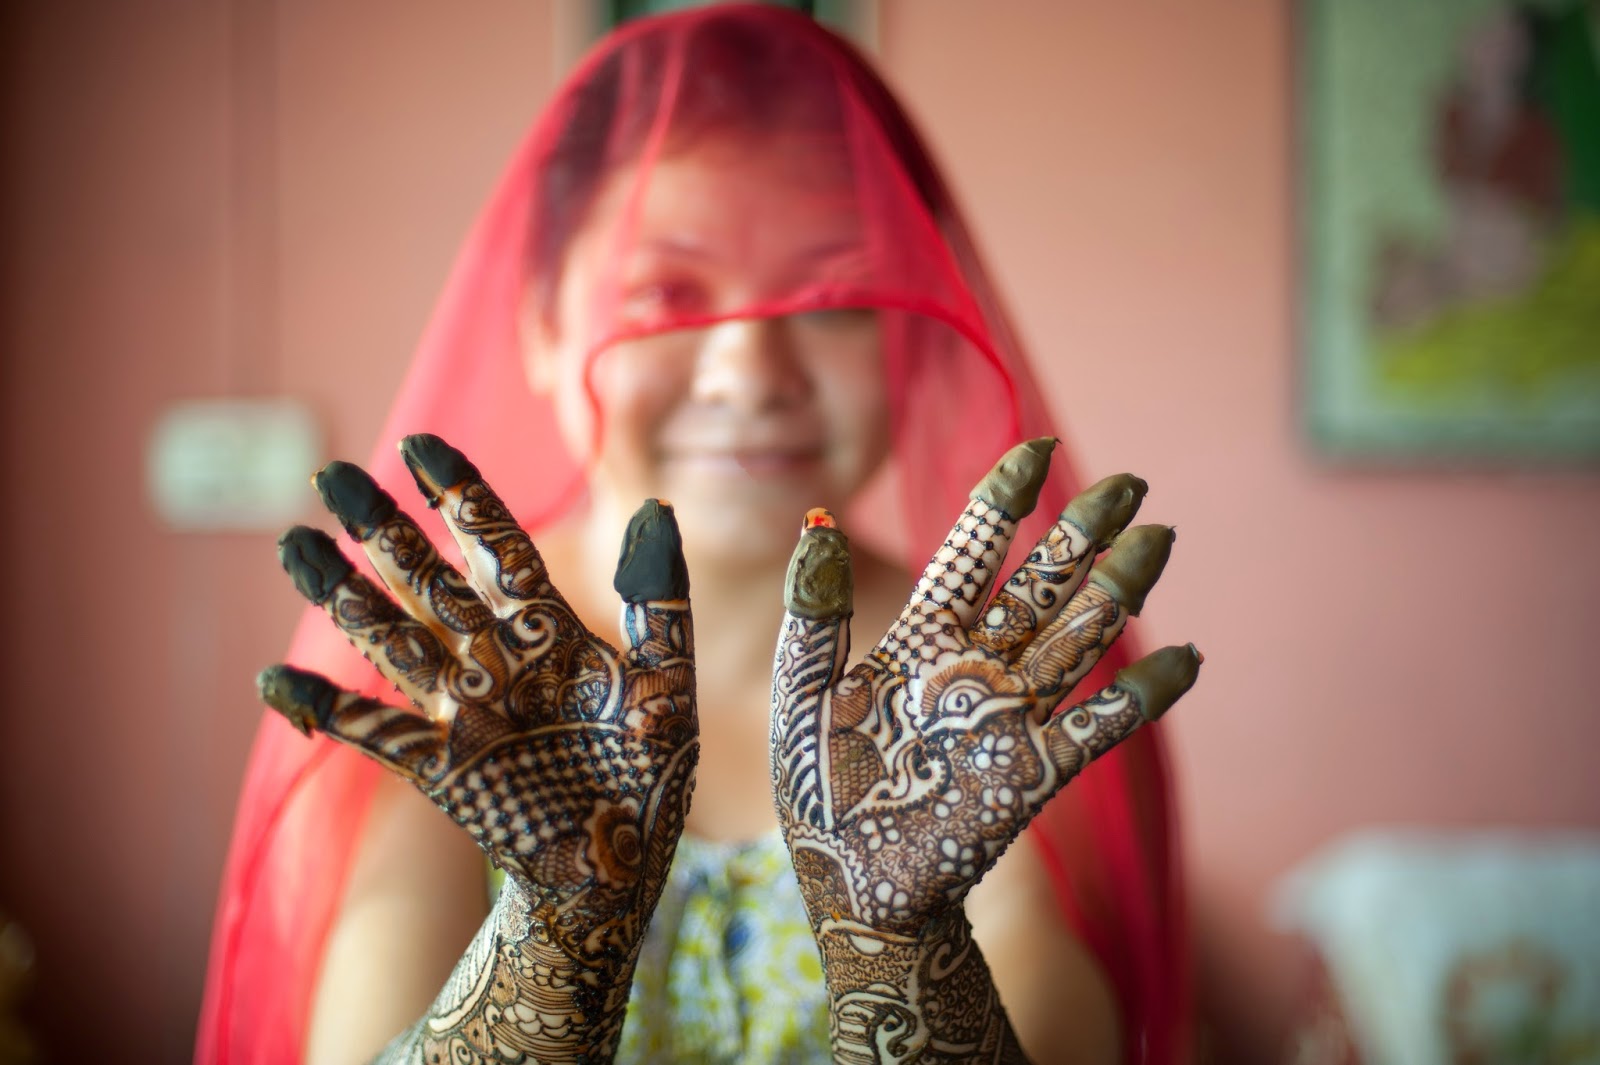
x=900 y=782
x=569 y=761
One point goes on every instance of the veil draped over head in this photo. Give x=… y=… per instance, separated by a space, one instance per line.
x=959 y=390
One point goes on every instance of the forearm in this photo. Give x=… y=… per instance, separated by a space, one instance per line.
x=518 y=991
x=926 y=999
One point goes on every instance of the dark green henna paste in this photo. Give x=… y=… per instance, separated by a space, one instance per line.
x=651 y=567
x=306 y=699
x=313 y=561
x=819 y=584
x=354 y=498
x=1013 y=484
x=435 y=465
x=1160 y=679
x=1134 y=565
x=1106 y=507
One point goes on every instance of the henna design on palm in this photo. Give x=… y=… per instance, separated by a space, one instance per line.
x=899 y=782
x=569 y=761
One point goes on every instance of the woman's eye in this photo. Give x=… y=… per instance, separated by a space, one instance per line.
x=657 y=300
x=838 y=317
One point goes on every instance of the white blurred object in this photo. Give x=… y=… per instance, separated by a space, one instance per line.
x=1469 y=948
x=232 y=464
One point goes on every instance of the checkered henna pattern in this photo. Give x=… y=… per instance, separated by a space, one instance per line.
x=899 y=782
x=570 y=761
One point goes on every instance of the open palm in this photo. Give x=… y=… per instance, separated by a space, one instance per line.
x=900 y=781
x=568 y=760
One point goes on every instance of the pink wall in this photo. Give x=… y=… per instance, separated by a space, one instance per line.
x=198 y=198
x=266 y=197
x=1381 y=647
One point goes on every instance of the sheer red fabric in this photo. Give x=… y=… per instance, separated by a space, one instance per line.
x=867 y=223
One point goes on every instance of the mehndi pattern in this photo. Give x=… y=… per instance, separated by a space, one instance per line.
x=568 y=760
x=899 y=782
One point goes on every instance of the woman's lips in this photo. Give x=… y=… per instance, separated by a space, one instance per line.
x=757 y=462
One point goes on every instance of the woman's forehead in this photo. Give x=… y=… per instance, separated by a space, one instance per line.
x=749 y=200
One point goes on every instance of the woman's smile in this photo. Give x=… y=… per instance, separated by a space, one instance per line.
x=754 y=462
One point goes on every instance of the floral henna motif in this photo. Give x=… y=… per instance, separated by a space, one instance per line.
x=570 y=762
x=900 y=782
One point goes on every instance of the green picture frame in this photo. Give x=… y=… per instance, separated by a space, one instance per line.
x=1450 y=230
x=856 y=19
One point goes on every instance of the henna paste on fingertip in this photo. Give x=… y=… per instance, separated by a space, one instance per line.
x=353 y=497
x=313 y=561
x=306 y=699
x=651 y=567
x=819 y=584
x=1014 y=483
x=435 y=465
x=1161 y=678
x=1106 y=507
x=1134 y=565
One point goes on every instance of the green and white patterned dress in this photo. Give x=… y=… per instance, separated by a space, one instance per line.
x=729 y=973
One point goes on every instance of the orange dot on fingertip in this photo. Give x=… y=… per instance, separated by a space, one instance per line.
x=664 y=504
x=820 y=516
x=1198 y=656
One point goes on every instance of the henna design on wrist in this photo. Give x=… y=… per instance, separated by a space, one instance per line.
x=929 y=999
x=900 y=782
x=569 y=761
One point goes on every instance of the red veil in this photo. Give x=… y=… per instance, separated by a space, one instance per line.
x=960 y=394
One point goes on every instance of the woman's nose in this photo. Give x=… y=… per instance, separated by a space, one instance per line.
x=750 y=364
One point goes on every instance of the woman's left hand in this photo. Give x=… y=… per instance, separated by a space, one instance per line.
x=899 y=782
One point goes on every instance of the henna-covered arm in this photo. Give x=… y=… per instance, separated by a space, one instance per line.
x=568 y=761
x=900 y=782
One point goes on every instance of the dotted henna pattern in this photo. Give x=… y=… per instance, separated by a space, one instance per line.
x=901 y=781
x=569 y=761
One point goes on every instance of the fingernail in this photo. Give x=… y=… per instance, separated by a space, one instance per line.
x=435 y=465
x=1013 y=484
x=306 y=699
x=1106 y=507
x=1134 y=565
x=651 y=566
x=1158 y=680
x=313 y=561
x=354 y=498
x=819 y=584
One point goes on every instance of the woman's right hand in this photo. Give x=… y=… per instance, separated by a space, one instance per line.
x=569 y=762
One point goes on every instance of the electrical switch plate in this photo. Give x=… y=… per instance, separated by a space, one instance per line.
x=218 y=465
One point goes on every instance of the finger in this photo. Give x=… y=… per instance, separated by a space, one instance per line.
x=1035 y=594
x=503 y=563
x=425 y=585
x=405 y=651
x=955 y=583
x=653 y=581
x=657 y=628
x=407 y=742
x=1139 y=693
x=1092 y=620
x=812 y=648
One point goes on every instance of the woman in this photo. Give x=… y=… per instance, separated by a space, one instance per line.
x=721 y=270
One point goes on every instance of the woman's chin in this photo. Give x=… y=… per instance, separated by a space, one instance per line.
x=737 y=537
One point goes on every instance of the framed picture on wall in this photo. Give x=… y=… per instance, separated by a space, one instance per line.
x=856 y=19
x=1450 y=206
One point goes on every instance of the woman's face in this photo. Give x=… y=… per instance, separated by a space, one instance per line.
x=743 y=424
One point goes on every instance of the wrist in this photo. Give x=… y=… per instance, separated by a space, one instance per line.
x=557 y=979
x=523 y=989
x=927 y=997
